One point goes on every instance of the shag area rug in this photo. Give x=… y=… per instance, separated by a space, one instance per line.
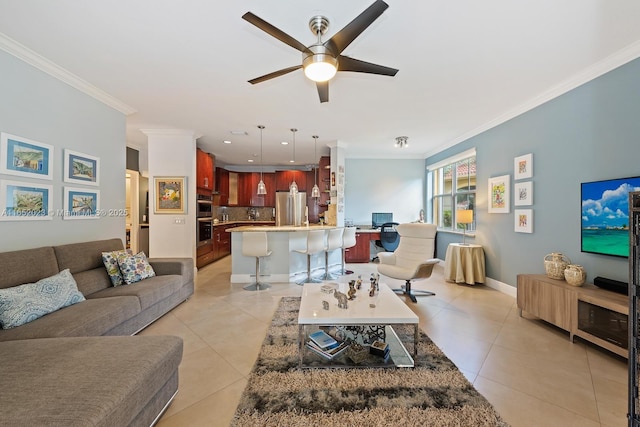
x=278 y=393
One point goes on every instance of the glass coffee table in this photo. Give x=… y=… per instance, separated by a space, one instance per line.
x=383 y=319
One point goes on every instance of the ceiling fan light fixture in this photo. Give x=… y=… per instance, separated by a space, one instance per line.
x=321 y=65
x=320 y=70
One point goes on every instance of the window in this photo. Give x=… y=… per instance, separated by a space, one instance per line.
x=453 y=188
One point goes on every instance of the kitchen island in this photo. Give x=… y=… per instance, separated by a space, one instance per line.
x=283 y=265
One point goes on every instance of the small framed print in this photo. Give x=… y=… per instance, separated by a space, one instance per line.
x=499 y=194
x=81 y=203
x=524 y=220
x=523 y=193
x=21 y=201
x=170 y=195
x=25 y=157
x=523 y=167
x=81 y=168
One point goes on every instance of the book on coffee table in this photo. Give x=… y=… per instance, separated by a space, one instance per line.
x=323 y=340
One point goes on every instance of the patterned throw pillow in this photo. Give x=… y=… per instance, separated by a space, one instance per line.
x=25 y=303
x=134 y=267
x=110 y=261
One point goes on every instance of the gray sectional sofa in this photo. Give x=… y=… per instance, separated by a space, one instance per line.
x=80 y=365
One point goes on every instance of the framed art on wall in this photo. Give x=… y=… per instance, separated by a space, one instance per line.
x=25 y=157
x=524 y=220
x=523 y=193
x=499 y=194
x=523 y=167
x=81 y=168
x=170 y=195
x=81 y=203
x=25 y=201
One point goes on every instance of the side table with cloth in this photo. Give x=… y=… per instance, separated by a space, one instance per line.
x=464 y=264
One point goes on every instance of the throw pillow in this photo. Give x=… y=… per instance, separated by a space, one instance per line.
x=110 y=261
x=25 y=303
x=134 y=267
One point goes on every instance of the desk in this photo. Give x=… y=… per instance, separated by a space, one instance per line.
x=464 y=264
x=361 y=251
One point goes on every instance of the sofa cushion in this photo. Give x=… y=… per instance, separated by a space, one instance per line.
x=26 y=303
x=87 y=381
x=91 y=281
x=86 y=255
x=149 y=291
x=88 y=318
x=110 y=261
x=27 y=266
x=134 y=268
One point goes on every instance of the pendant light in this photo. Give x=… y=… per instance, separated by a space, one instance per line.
x=315 y=191
x=293 y=188
x=262 y=189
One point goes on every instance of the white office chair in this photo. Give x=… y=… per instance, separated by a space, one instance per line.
x=315 y=244
x=334 y=241
x=254 y=243
x=348 y=241
x=413 y=259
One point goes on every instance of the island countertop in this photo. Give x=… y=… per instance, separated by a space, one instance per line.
x=281 y=228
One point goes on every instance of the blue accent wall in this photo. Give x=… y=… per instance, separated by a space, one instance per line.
x=588 y=134
x=40 y=107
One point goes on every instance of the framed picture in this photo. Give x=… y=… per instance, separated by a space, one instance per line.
x=81 y=203
x=81 y=168
x=523 y=193
x=25 y=201
x=25 y=157
x=499 y=194
x=524 y=220
x=523 y=167
x=170 y=195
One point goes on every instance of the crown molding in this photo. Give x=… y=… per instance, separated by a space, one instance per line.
x=592 y=72
x=43 y=64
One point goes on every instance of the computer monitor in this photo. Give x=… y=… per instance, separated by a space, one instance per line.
x=379 y=218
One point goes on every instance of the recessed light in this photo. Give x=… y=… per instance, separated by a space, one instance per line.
x=226 y=141
x=284 y=143
x=292 y=161
x=250 y=160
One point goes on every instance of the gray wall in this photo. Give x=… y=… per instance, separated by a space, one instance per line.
x=396 y=186
x=37 y=106
x=590 y=133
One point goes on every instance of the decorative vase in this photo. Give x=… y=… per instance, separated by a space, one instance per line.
x=575 y=275
x=554 y=265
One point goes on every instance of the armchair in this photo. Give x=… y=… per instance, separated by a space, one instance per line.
x=413 y=258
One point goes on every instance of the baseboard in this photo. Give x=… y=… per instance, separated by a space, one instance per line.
x=501 y=287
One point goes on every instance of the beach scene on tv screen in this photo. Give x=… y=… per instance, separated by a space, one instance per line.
x=605 y=215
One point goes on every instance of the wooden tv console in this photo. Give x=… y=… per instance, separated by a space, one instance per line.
x=557 y=302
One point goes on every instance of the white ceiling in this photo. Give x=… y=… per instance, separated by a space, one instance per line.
x=465 y=65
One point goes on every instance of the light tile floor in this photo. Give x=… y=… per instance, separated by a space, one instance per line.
x=526 y=368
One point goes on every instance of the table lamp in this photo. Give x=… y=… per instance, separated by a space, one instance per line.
x=464 y=217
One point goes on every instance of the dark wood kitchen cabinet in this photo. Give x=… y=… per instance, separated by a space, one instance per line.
x=205 y=164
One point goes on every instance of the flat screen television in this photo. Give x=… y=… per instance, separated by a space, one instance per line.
x=379 y=218
x=605 y=216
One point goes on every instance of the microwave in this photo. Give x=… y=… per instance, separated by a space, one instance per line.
x=204 y=206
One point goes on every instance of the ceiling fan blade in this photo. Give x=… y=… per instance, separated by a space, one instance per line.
x=346 y=63
x=323 y=91
x=345 y=36
x=274 y=74
x=274 y=32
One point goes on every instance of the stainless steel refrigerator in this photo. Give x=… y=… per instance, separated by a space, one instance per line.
x=291 y=210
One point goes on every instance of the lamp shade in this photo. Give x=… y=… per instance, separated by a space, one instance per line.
x=464 y=216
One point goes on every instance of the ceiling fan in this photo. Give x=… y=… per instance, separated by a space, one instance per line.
x=321 y=61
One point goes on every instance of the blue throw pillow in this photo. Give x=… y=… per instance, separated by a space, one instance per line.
x=25 y=303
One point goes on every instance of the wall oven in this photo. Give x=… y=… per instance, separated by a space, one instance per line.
x=204 y=231
x=204 y=213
